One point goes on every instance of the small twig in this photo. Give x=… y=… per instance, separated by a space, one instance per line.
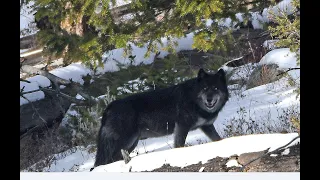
x=252 y=51
x=29 y=131
x=27 y=92
x=35 y=109
x=290 y=69
x=23 y=80
x=242 y=168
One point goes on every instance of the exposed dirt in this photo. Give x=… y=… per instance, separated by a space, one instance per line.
x=280 y=163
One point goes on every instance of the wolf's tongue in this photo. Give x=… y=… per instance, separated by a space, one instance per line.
x=211 y=104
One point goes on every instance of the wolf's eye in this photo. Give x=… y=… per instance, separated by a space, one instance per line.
x=205 y=88
x=215 y=88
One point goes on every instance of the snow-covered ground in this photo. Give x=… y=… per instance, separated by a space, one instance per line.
x=263 y=104
x=182 y=157
x=80 y=160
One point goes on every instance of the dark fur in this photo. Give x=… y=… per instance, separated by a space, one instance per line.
x=161 y=112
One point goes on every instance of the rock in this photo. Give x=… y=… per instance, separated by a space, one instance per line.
x=247 y=157
x=263 y=74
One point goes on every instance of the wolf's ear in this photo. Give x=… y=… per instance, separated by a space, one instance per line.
x=221 y=74
x=201 y=74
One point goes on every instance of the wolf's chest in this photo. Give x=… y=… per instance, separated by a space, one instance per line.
x=202 y=121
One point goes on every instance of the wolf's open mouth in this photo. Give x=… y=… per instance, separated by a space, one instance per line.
x=211 y=105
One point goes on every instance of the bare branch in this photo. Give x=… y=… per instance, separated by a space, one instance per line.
x=72 y=99
x=25 y=80
x=55 y=91
x=32 y=70
x=242 y=168
x=290 y=69
x=234 y=60
x=27 y=92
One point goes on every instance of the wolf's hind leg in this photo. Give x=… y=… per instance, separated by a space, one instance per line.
x=211 y=132
x=106 y=147
x=131 y=143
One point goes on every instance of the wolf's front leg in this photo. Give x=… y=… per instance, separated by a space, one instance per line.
x=180 y=134
x=211 y=132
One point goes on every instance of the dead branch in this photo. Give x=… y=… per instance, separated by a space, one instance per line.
x=32 y=70
x=290 y=69
x=55 y=91
x=242 y=168
x=25 y=80
x=232 y=61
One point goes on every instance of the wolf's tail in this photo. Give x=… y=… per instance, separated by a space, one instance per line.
x=106 y=148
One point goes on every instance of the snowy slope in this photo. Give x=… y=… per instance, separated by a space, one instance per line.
x=182 y=157
x=264 y=104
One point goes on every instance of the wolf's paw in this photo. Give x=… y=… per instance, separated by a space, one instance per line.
x=125 y=155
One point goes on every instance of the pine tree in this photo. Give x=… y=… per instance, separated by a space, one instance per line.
x=101 y=29
x=287 y=29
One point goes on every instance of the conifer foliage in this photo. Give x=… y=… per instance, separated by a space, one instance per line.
x=82 y=30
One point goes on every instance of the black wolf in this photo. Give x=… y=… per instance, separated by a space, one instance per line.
x=178 y=109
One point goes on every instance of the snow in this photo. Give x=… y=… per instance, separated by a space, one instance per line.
x=201 y=169
x=203 y=152
x=36 y=82
x=284 y=7
x=263 y=104
x=133 y=86
x=67 y=160
x=184 y=43
x=282 y=57
x=25 y=16
x=242 y=72
x=74 y=71
x=270 y=44
x=23 y=50
x=233 y=162
x=40 y=80
x=119 y=3
x=273 y=155
x=78 y=96
x=30 y=96
x=257 y=19
x=286 y=152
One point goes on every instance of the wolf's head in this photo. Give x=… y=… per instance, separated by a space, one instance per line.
x=212 y=91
